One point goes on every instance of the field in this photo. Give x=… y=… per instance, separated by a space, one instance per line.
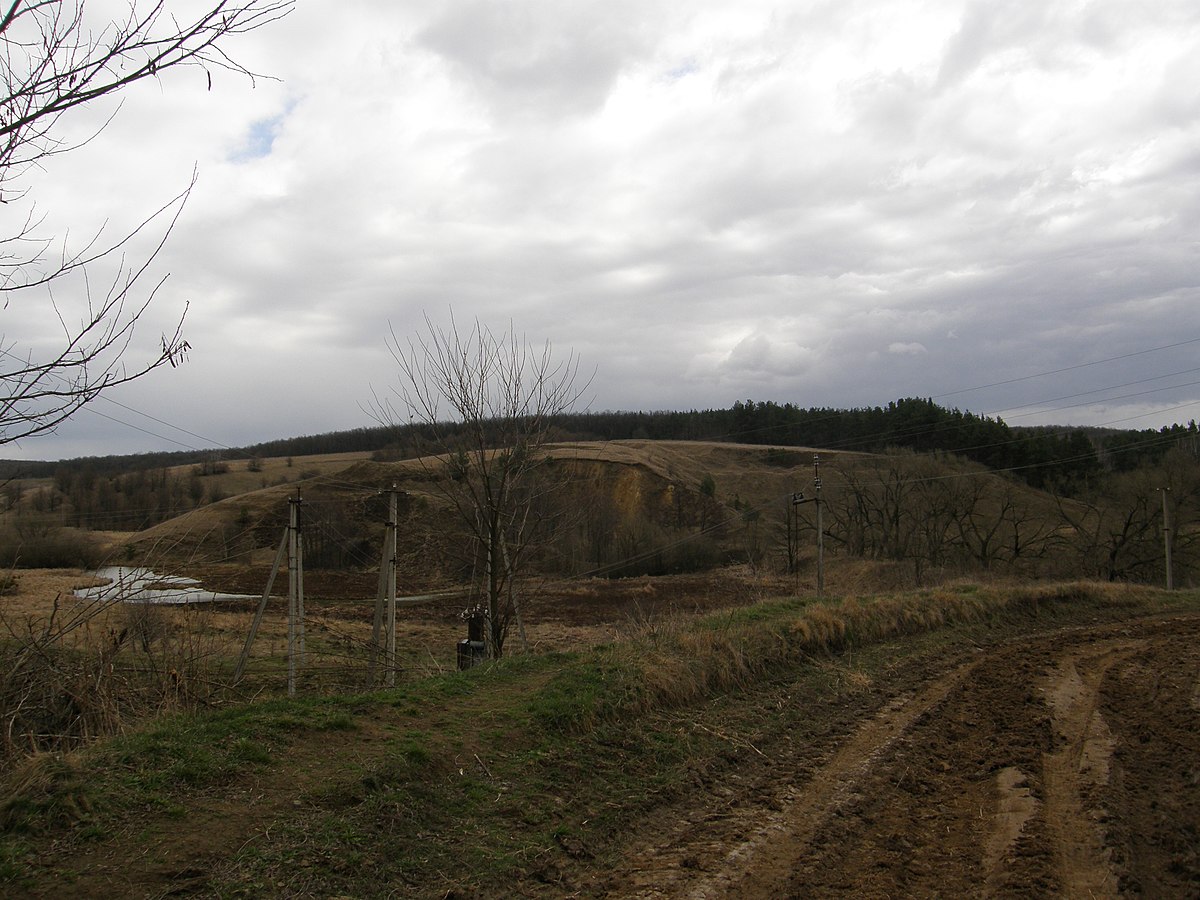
x=720 y=733
x=973 y=740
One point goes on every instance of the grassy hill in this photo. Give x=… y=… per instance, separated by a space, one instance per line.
x=638 y=507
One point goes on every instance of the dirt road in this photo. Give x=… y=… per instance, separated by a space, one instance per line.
x=1061 y=765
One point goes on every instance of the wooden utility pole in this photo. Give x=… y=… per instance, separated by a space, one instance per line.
x=391 y=588
x=295 y=593
x=300 y=587
x=797 y=499
x=793 y=538
x=383 y=632
x=820 y=526
x=1167 y=538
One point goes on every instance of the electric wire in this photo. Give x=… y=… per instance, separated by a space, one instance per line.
x=1095 y=362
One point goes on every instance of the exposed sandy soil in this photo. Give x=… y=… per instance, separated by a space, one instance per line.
x=1066 y=765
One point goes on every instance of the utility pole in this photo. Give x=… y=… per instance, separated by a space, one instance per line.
x=383 y=632
x=1167 y=538
x=295 y=592
x=391 y=588
x=793 y=538
x=797 y=499
x=820 y=526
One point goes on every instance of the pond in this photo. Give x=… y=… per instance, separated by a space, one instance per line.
x=136 y=584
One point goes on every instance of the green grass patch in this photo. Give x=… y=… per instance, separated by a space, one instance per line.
x=13 y=862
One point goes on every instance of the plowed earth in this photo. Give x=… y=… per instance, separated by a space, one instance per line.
x=1065 y=765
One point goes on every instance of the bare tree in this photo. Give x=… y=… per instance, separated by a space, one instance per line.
x=1116 y=531
x=870 y=506
x=487 y=400
x=54 y=58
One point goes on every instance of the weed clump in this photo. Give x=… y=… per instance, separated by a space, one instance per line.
x=43 y=792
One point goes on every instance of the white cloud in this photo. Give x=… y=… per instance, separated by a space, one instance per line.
x=710 y=201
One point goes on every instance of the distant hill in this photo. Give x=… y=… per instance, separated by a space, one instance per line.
x=642 y=507
x=1040 y=456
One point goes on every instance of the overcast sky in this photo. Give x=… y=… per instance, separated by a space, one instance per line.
x=826 y=203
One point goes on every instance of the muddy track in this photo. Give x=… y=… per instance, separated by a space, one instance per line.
x=1060 y=765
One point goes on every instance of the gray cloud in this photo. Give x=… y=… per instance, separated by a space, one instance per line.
x=714 y=204
x=537 y=58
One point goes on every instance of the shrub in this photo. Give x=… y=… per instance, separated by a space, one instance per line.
x=77 y=677
x=57 y=548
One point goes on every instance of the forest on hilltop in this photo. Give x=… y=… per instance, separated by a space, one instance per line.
x=133 y=492
x=1048 y=454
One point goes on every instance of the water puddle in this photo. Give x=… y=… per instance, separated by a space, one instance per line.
x=135 y=584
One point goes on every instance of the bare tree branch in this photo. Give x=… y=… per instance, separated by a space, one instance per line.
x=488 y=400
x=54 y=59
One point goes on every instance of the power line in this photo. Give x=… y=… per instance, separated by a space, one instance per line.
x=1111 y=387
x=1085 y=365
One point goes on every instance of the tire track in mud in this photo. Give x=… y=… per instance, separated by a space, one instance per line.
x=1151 y=804
x=781 y=832
x=1076 y=773
x=1035 y=769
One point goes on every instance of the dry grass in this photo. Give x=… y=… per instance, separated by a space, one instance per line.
x=79 y=671
x=73 y=670
x=48 y=784
x=37 y=589
x=680 y=663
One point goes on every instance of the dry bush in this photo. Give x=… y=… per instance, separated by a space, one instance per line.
x=143 y=624
x=649 y=627
x=89 y=671
x=50 y=547
x=53 y=693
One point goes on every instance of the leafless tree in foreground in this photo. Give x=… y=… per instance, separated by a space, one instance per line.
x=487 y=400
x=55 y=58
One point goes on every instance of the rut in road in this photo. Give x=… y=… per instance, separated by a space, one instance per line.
x=781 y=831
x=1012 y=774
x=1077 y=772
